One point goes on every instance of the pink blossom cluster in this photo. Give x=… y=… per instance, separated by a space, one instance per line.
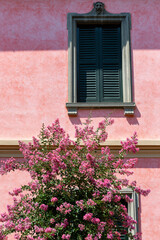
x=105 y=183
x=21 y=225
x=109 y=236
x=80 y=204
x=16 y=192
x=138 y=236
x=86 y=168
x=8 y=165
x=81 y=226
x=43 y=207
x=90 y=237
x=88 y=216
x=96 y=236
x=50 y=230
x=141 y=191
x=130 y=144
x=62 y=225
x=101 y=225
x=54 y=199
x=66 y=236
x=38 y=229
x=65 y=223
x=128 y=199
x=65 y=208
x=90 y=202
x=52 y=220
x=108 y=197
x=34 y=185
x=71 y=177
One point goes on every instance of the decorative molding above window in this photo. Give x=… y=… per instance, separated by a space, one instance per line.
x=100 y=18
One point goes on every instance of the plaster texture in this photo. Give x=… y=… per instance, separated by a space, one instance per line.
x=34 y=84
x=147 y=175
x=34 y=67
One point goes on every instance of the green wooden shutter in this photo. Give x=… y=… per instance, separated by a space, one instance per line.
x=99 y=64
x=123 y=237
x=121 y=230
x=111 y=83
x=87 y=64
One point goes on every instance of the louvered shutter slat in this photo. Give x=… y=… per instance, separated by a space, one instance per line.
x=111 y=82
x=123 y=237
x=111 y=64
x=87 y=65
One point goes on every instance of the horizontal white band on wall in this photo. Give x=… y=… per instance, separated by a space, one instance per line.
x=148 y=148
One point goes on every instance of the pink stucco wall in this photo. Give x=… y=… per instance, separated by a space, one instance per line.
x=34 y=65
x=34 y=83
x=147 y=175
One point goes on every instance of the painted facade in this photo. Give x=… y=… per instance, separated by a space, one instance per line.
x=34 y=87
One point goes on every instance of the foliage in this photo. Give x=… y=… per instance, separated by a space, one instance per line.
x=75 y=191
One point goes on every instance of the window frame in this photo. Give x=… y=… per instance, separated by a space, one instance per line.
x=133 y=207
x=124 y=19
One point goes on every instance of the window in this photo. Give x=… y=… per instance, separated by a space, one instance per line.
x=99 y=60
x=99 y=63
x=123 y=236
x=132 y=209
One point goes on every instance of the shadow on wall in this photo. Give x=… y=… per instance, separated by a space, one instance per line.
x=113 y=113
x=42 y=25
x=33 y=25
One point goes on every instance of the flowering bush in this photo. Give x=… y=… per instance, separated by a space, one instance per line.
x=75 y=191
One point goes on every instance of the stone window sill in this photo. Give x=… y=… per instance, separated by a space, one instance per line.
x=73 y=107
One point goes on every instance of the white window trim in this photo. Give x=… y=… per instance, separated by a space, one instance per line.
x=132 y=206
